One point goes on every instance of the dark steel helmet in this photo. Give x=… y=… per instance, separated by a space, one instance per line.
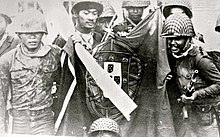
x=87 y=4
x=31 y=21
x=135 y=3
x=178 y=25
x=104 y=124
x=184 y=4
x=217 y=27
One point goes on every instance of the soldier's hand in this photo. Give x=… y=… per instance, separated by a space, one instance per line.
x=188 y=100
x=76 y=38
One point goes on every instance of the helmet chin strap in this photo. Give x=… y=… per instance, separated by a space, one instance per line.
x=188 y=46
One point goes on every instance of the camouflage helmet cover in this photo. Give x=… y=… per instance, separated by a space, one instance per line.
x=178 y=25
x=217 y=27
x=135 y=3
x=87 y=4
x=31 y=21
x=184 y=4
x=108 y=10
x=104 y=124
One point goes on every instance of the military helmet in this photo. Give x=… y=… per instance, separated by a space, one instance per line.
x=31 y=21
x=217 y=27
x=6 y=17
x=178 y=25
x=4 y=12
x=108 y=10
x=135 y=3
x=104 y=124
x=87 y=4
x=184 y=4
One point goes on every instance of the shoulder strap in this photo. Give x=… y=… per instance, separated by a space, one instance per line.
x=201 y=54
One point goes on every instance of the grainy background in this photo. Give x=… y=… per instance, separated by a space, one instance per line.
x=205 y=13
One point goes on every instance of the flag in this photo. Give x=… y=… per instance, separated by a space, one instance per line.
x=145 y=39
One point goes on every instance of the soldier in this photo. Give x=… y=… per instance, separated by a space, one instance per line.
x=26 y=78
x=185 y=7
x=7 y=42
x=132 y=15
x=85 y=14
x=104 y=127
x=177 y=6
x=108 y=16
x=197 y=76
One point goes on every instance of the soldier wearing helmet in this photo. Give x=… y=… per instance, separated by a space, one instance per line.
x=197 y=76
x=7 y=42
x=177 y=6
x=85 y=14
x=27 y=74
x=132 y=15
x=104 y=127
x=184 y=7
x=106 y=20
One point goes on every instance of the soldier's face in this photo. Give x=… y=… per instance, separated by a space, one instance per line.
x=135 y=13
x=3 y=25
x=103 y=23
x=176 y=44
x=87 y=18
x=31 y=41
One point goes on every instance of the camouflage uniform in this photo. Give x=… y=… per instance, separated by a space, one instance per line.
x=194 y=63
x=26 y=82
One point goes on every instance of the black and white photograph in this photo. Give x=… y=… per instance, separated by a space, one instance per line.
x=110 y=68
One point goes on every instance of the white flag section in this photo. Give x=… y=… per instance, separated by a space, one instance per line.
x=114 y=71
x=110 y=89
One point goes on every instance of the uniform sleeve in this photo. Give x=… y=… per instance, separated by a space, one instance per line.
x=210 y=73
x=4 y=89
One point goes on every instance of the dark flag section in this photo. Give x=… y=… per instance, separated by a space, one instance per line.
x=152 y=117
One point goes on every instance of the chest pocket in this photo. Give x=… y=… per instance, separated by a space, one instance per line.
x=21 y=75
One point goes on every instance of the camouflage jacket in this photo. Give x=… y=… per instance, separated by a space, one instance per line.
x=26 y=81
x=207 y=83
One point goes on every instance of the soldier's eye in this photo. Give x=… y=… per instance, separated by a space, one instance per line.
x=86 y=12
x=188 y=77
x=95 y=13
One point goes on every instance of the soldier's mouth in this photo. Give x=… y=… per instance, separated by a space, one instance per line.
x=90 y=23
x=32 y=43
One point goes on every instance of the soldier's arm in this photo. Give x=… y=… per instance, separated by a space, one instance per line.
x=4 y=89
x=209 y=72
